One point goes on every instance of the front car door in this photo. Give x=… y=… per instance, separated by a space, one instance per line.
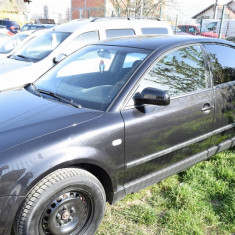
x=162 y=140
x=222 y=59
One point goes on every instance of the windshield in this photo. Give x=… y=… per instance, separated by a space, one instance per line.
x=13 y=42
x=41 y=46
x=92 y=76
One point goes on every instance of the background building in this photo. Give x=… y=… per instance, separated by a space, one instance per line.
x=214 y=11
x=14 y=10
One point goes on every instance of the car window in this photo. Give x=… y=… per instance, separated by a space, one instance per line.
x=211 y=26
x=111 y=33
x=192 y=29
x=10 y=44
x=91 y=76
x=223 y=62
x=41 y=46
x=80 y=41
x=179 y=72
x=132 y=58
x=154 y=31
x=183 y=28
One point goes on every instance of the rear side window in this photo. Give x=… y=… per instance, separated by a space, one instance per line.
x=223 y=63
x=154 y=31
x=111 y=33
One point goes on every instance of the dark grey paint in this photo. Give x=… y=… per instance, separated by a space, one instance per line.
x=39 y=136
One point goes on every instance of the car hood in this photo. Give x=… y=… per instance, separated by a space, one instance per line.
x=7 y=65
x=25 y=116
x=15 y=73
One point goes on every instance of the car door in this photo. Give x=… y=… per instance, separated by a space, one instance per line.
x=223 y=70
x=158 y=138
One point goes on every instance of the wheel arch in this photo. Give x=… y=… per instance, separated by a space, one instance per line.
x=100 y=173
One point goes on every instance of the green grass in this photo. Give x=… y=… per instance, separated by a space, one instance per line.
x=200 y=200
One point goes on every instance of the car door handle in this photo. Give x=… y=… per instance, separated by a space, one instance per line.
x=206 y=108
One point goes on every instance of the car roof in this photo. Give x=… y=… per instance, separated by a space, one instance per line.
x=75 y=25
x=155 y=42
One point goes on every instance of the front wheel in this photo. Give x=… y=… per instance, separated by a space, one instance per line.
x=68 y=201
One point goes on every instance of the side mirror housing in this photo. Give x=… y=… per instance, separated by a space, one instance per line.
x=58 y=58
x=152 y=96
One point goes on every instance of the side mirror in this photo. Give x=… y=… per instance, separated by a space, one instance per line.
x=152 y=96
x=58 y=58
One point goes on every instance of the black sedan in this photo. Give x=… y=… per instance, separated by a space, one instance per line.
x=109 y=120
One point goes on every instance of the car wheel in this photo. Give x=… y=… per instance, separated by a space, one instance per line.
x=67 y=201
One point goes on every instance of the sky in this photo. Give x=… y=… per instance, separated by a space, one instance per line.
x=184 y=8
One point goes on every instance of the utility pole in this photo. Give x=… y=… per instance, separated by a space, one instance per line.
x=221 y=22
x=215 y=9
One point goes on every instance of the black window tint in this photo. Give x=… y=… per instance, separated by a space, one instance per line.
x=183 y=28
x=154 y=31
x=223 y=63
x=111 y=33
x=192 y=29
x=179 y=72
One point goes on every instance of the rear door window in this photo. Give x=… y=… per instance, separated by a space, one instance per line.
x=154 y=31
x=223 y=63
x=111 y=33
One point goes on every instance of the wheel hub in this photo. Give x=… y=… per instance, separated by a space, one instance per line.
x=66 y=215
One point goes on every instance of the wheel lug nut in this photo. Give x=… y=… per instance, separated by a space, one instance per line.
x=65 y=208
x=72 y=210
x=70 y=218
x=61 y=222
x=58 y=216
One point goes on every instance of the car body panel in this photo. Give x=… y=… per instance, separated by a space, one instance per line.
x=168 y=134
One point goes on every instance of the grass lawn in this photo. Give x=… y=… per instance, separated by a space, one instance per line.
x=200 y=200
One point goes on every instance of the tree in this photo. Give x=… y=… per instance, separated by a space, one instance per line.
x=132 y=8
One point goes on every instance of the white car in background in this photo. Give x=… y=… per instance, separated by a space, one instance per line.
x=13 y=43
x=4 y=34
x=42 y=52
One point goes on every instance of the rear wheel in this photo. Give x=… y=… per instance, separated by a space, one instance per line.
x=67 y=201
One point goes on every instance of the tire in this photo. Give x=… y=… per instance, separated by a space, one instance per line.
x=67 y=201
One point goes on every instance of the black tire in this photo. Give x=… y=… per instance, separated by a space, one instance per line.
x=67 y=201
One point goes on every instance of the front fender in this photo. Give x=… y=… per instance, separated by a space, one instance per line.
x=26 y=164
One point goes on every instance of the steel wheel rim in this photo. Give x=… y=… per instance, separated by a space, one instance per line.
x=70 y=213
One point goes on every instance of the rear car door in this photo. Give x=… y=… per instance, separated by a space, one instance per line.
x=222 y=59
x=159 y=137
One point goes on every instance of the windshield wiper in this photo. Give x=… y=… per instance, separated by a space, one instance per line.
x=24 y=57
x=35 y=89
x=59 y=97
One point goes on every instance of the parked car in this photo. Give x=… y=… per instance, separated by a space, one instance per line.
x=13 y=43
x=36 y=26
x=111 y=119
x=178 y=31
x=5 y=31
x=227 y=29
x=195 y=30
x=4 y=34
x=40 y=54
x=11 y=25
